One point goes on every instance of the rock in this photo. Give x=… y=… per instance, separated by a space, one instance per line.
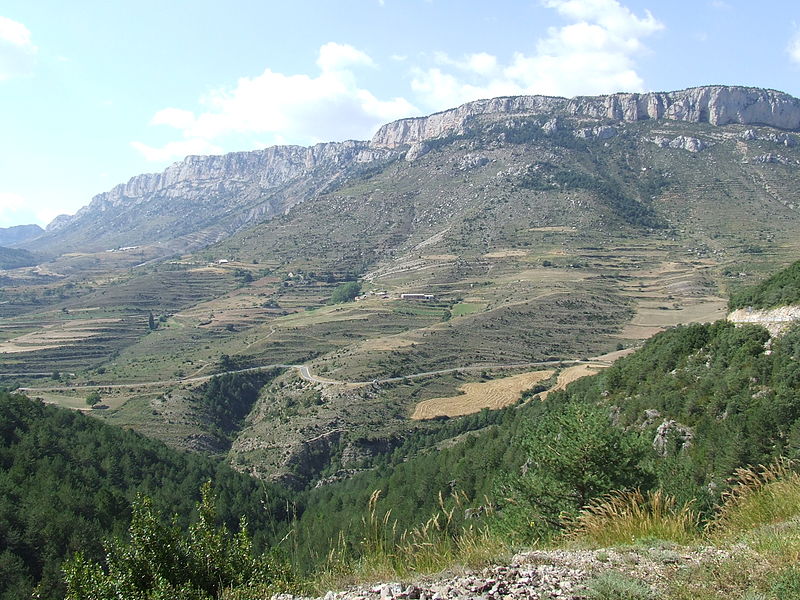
x=601 y=133
x=692 y=144
x=748 y=135
x=416 y=150
x=670 y=436
x=716 y=105
x=776 y=320
x=770 y=158
x=472 y=161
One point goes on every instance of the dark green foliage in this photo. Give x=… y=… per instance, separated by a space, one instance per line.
x=67 y=482
x=345 y=292
x=546 y=177
x=158 y=561
x=227 y=399
x=574 y=453
x=781 y=289
x=740 y=403
x=13 y=258
x=93 y=398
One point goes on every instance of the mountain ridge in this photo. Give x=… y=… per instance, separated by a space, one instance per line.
x=238 y=178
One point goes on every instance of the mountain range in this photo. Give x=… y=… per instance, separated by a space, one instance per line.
x=538 y=231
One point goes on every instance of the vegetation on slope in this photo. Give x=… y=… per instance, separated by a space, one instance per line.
x=13 y=258
x=67 y=482
x=782 y=288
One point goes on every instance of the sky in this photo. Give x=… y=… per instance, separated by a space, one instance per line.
x=94 y=92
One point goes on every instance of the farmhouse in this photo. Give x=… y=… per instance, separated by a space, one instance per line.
x=417 y=297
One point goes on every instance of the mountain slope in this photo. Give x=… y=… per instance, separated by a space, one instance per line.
x=204 y=199
x=543 y=228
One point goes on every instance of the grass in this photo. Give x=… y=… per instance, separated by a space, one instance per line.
x=627 y=517
x=466 y=308
x=651 y=546
x=615 y=586
x=387 y=554
x=762 y=496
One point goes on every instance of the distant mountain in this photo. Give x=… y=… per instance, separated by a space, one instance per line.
x=18 y=234
x=205 y=199
x=545 y=229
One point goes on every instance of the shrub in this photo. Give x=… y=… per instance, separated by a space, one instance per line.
x=614 y=586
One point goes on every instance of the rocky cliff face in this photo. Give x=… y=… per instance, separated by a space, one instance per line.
x=775 y=320
x=263 y=168
x=192 y=195
x=716 y=105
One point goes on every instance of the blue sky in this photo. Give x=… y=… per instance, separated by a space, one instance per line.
x=93 y=92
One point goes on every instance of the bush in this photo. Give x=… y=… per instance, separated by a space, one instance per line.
x=345 y=292
x=158 y=563
x=614 y=586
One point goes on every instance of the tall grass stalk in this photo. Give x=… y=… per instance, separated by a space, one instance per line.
x=759 y=496
x=385 y=553
x=627 y=517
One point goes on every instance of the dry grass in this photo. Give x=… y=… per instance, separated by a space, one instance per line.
x=627 y=517
x=476 y=396
x=506 y=254
x=56 y=335
x=386 y=554
x=571 y=374
x=761 y=496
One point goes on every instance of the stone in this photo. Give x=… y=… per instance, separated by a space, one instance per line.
x=716 y=105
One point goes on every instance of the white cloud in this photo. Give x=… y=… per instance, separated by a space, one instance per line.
x=299 y=109
x=17 y=51
x=794 y=48
x=594 y=53
x=176 y=150
x=12 y=208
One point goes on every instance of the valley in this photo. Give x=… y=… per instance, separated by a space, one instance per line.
x=547 y=237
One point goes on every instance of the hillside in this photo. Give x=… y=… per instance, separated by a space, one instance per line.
x=781 y=289
x=10 y=236
x=545 y=230
x=69 y=482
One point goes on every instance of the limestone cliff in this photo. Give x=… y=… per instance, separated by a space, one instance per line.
x=716 y=105
x=265 y=168
x=775 y=320
x=204 y=199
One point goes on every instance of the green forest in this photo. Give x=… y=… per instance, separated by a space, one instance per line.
x=80 y=499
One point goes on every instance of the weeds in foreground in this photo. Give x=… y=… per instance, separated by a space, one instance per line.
x=384 y=553
x=760 y=496
x=623 y=518
x=615 y=586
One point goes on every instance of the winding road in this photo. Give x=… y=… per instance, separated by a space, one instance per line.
x=305 y=373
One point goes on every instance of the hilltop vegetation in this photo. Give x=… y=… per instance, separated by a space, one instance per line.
x=781 y=289
x=68 y=482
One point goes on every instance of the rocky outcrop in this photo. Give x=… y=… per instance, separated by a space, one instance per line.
x=266 y=168
x=544 y=574
x=681 y=142
x=775 y=320
x=672 y=437
x=716 y=105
